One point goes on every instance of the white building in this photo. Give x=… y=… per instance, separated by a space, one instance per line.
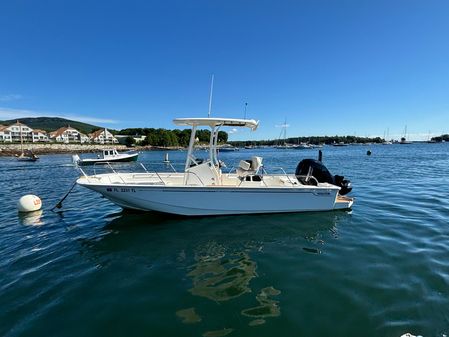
x=68 y=134
x=103 y=136
x=40 y=136
x=5 y=134
x=15 y=132
x=137 y=138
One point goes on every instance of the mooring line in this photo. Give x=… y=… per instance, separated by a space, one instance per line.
x=59 y=204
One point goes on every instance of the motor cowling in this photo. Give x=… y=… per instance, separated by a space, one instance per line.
x=315 y=168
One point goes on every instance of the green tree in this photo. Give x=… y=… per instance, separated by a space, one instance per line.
x=129 y=141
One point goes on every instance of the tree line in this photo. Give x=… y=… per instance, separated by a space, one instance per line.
x=167 y=138
x=439 y=139
x=310 y=140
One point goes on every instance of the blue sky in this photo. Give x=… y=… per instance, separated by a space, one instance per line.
x=327 y=67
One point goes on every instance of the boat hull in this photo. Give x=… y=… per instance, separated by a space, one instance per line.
x=27 y=159
x=196 y=201
x=128 y=158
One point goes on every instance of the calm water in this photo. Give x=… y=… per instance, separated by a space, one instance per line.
x=95 y=270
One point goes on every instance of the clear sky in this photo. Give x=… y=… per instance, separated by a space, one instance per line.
x=327 y=67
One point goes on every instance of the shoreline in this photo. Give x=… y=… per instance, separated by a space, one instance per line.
x=11 y=150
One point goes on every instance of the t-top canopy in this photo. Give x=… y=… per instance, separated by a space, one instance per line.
x=214 y=122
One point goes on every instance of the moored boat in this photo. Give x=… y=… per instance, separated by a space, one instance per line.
x=227 y=148
x=204 y=189
x=107 y=156
x=27 y=155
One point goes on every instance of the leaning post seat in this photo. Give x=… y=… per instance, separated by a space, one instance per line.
x=256 y=163
x=249 y=167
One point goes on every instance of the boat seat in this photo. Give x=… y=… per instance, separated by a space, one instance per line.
x=244 y=168
x=256 y=163
x=249 y=167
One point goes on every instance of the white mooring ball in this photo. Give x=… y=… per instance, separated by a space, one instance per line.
x=29 y=203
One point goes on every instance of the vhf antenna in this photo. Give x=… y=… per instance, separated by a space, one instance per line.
x=210 y=96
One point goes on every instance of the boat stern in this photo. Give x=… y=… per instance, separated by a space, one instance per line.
x=343 y=202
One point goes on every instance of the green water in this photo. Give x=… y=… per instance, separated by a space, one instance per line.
x=95 y=270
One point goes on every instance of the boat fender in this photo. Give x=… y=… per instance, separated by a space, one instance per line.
x=29 y=203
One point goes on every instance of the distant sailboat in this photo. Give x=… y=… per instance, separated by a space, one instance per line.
x=282 y=141
x=386 y=141
x=404 y=139
x=28 y=155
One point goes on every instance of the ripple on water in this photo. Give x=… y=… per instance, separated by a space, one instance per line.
x=381 y=270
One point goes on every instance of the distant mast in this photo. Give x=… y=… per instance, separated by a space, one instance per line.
x=21 y=137
x=210 y=96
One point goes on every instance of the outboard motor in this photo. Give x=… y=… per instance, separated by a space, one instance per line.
x=311 y=167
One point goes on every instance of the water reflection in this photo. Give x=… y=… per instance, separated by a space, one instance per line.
x=267 y=307
x=215 y=259
x=31 y=218
x=188 y=316
x=218 y=333
x=222 y=278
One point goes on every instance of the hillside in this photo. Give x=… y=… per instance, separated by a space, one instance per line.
x=52 y=123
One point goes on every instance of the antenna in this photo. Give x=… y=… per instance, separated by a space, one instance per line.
x=246 y=104
x=210 y=96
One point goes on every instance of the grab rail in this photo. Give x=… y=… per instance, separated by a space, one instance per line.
x=196 y=175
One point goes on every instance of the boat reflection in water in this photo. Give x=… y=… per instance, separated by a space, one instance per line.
x=222 y=276
x=31 y=218
x=219 y=276
x=208 y=268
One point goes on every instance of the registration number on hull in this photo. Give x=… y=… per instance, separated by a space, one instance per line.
x=116 y=189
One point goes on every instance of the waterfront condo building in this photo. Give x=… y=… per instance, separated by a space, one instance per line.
x=68 y=134
x=103 y=136
x=17 y=131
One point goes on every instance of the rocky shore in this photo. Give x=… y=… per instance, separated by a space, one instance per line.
x=52 y=148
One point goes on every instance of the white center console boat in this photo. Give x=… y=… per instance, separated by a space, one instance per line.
x=203 y=189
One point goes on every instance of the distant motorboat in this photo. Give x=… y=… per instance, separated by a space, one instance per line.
x=107 y=156
x=285 y=147
x=227 y=148
x=340 y=144
x=303 y=146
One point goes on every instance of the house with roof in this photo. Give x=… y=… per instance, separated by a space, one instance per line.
x=5 y=134
x=15 y=132
x=137 y=138
x=40 y=136
x=67 y=134
x=103 y=136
